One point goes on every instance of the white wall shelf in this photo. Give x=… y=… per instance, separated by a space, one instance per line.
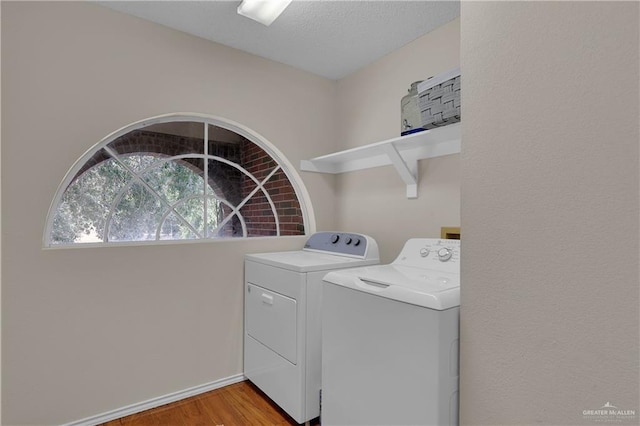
x=402 y=152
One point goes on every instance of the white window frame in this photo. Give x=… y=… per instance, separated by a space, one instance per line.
x=282 y=163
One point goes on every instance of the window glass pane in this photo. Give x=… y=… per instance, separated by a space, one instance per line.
x=259 y=216
x=286 y=202
x=225 y=181
x=215 y=216
x=63 y=229
x=175 y=229
x=161 y=140
x=229 y=226
x=137 y=216
x=175 y=181
x=87 y=201
x=225 y=143
x=138 y=163
x=192 y=210
x=256 y=161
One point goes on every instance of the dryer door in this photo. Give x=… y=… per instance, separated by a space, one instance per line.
x=271 y=320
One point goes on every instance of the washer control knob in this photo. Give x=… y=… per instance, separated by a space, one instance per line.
x=445 y=254
x=356 y=242
x=424 y=252
x=348 y=241
x=335 y=238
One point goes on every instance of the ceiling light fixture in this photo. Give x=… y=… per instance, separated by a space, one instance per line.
x=263 y=11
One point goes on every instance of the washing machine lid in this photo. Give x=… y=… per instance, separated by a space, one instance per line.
x=308 y=261
x=422 y=287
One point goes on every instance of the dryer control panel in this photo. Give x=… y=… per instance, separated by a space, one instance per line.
x=431 y=253
x=343 y=243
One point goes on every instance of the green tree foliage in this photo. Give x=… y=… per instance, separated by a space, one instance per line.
x=110 y=198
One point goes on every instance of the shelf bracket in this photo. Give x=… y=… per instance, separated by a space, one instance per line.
x=407 y=169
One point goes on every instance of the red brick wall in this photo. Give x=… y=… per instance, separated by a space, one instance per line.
x=257 y=212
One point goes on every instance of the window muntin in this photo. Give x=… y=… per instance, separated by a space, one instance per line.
x=147 y=183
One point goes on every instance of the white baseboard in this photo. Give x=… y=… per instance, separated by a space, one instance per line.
x=156 y=402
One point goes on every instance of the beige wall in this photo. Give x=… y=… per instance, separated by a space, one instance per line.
x=91 y=330
x=0 y=227
x=549 y=319
x=374 y=201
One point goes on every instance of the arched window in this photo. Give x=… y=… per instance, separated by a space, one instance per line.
x=178 y=177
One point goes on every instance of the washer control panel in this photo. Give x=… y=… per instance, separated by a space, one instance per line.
x=339 y=243
x=431 y=253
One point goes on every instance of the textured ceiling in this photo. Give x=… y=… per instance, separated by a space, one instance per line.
x=328 y=38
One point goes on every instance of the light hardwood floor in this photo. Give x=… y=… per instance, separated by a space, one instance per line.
x=235 y=405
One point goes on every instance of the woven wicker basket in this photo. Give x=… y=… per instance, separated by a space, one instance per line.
x=439 y=100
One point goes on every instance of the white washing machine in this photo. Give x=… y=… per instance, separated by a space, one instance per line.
x=390 y=339
x=283 y=301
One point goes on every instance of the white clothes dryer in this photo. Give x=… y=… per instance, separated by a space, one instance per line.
x=282 y=320
x=390 y=339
